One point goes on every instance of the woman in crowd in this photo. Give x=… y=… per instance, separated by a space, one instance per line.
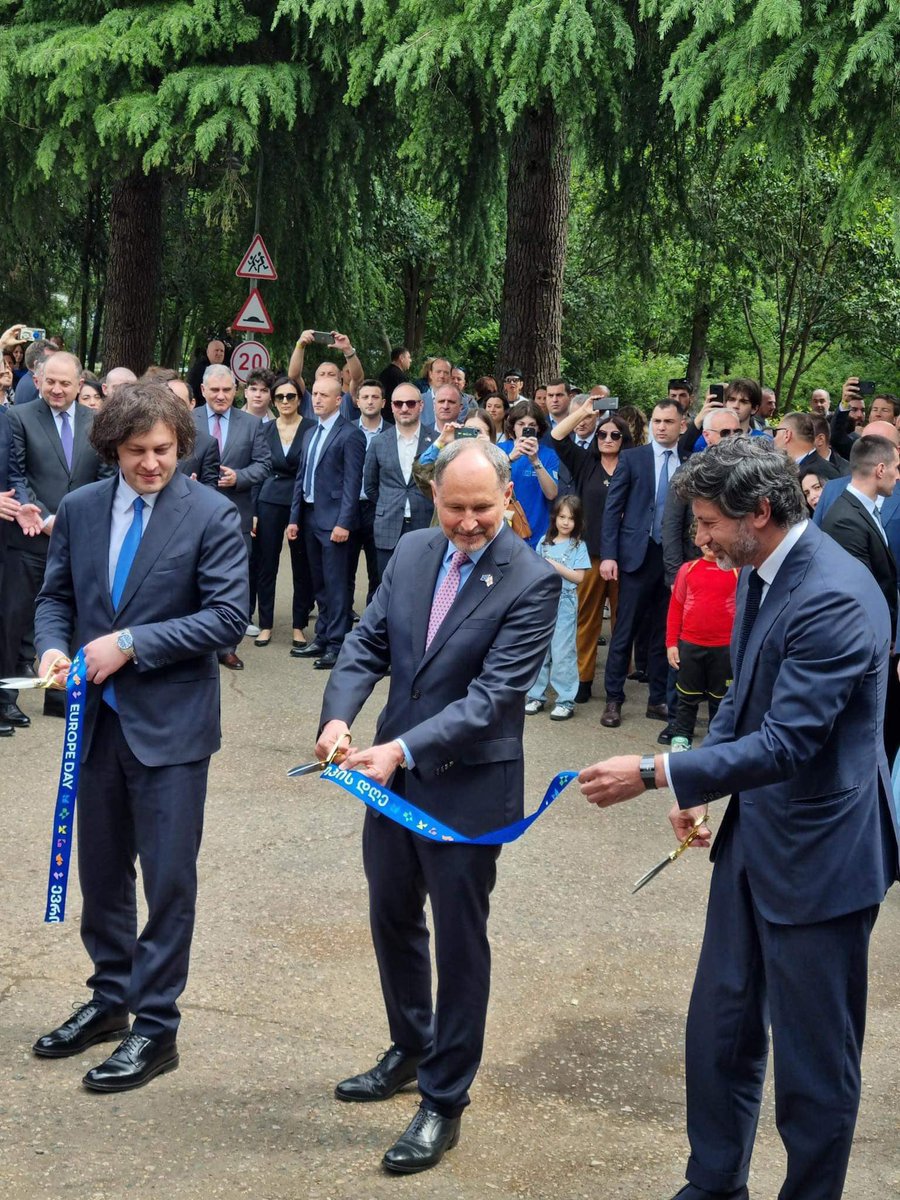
x=636 y=421
x=284 y=436
x=497 y=408
x=811 y=484
x=90 y=394
x=535 y=468
x=591 y=471
x=484 y=386
x=7 y=391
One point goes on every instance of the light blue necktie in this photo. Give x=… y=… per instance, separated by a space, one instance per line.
x=661 y=489
x=309 y=477
x=120 y=578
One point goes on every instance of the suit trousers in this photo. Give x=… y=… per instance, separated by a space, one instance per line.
x=248 y=543
x=642 y=594
x=23 y=575
x=126 y=810
x=593 y=592
x=272 y=520
x=329 y=564
x=362 y=540
x=809 y=983
x=401 y=870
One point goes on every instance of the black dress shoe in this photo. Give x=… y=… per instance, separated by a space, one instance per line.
x=326 y=662
x=6 y=730
x=658 y=712
x=310 y=650
x=11 y=714
x=639 y=677
x=427 y=1138
x=584 y=693
x=691 y=1192
x=393 y=1071
x=91 y=1023
x=132 y=1064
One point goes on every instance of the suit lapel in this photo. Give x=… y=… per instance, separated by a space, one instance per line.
x=331 y=436
x=81 y=424
x=422 y=597
x=45 y=416
x=873 y=527
x=100 y=543
x=235 y=437
x=169 y=511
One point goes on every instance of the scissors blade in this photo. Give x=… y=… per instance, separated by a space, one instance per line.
x=652 y=873
x=309 y=768
x=23 y=683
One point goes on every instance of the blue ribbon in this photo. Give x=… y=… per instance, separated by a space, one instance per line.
x=396 y=808
x=64 y=815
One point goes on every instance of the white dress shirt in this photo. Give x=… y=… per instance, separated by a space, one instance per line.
x=122 y=516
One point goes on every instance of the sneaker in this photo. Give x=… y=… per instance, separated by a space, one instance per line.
x=533 y=707
x=251 y=630
x=680 y=743
x=562 y=712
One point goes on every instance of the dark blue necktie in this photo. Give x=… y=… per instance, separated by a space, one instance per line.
x=309 y=477
x=120 y=577
x=751 y=608
x=661 y=489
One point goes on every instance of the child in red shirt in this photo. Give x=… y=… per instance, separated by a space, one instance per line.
x=698 y=633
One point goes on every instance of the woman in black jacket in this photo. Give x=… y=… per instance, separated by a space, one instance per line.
x=591 y=469
x=284 y=436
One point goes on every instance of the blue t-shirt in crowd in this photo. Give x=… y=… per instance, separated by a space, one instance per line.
x=573 y=555
x=528 y=489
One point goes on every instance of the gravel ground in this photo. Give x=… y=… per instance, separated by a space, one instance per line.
x=580 y=1093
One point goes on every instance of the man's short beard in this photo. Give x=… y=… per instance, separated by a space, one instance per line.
x=744 y=550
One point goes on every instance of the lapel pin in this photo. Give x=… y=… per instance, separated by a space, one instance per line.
x=488 y=579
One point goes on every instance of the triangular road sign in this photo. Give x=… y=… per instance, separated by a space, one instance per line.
x=253 y=315
x=257 y=262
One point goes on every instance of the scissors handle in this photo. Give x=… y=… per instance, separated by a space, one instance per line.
x=694 y=833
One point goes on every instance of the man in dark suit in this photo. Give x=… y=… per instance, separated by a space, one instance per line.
x=244 y=459
x=324 y=510
x=53 y=455
x=147 y=572
x=388 y=480
x=202 y=463
x=808 y=844
x=796 y=436
x=855 y=522
x=462 y=619
x=631 y=549
x=889 y=508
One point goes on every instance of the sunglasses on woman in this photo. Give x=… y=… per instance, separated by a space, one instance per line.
x=615 y=436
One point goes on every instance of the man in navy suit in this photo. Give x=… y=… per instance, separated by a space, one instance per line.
x=631 y=551
x=889 y=509
x=462 y=620
x=326 y=508
x=147 y=571
x=808 y=844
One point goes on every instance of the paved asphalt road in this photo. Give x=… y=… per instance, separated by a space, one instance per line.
x=581 y=1091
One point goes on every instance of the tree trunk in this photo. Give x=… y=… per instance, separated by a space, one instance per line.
x=699 y=334
x=417 y=285
x=537 y=220
x=134 y=268
x=91 y=363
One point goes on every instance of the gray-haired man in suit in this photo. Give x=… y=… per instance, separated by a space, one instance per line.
x=244 y=458
x=388 y=479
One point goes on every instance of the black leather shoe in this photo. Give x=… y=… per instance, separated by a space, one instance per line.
x=691 y=1192
x=11 y=714
x=326 y=662
x=6 y=730
x=427 y=1138
x=639 y=677
x=132 y=1064
x=612 y=715
x=91 y=1023
x=657 y=712
x=393 y=1071
x=584 y=693
x=310 y=650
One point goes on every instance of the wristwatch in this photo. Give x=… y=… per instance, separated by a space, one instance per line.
x=125 y=642
x=648 y=770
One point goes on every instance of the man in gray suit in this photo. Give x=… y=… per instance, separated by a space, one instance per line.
x=51 y=451
x=244 y=459
x=462 y=619
x=147 y=572
x=388 y=479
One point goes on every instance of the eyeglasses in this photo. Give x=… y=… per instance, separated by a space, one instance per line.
x=286 y=396
x=781 y=429
x=405 y=403
x=725 y=432
x=615 y=436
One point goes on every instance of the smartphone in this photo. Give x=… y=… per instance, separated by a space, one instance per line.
x=34 y=335
x=606 y=403
x=866 y=387
x=322 y=338
x=467 y=431
x=717 y=391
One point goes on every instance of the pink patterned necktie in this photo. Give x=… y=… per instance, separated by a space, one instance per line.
x=217 y=431
x=446 y=594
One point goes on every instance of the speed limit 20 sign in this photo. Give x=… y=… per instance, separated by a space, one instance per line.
x=247 y=357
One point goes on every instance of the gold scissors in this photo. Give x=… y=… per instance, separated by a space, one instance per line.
x=38 y=681
x=672 y=855
x=319 y=764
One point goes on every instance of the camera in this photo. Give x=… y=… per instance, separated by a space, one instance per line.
x=467 y=431
x=529 y=431
x=322 y=338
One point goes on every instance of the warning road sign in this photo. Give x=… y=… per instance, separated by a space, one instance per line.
x=253 y=315
x=257 y=262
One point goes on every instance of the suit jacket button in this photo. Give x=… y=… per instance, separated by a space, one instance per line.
x=416 y=694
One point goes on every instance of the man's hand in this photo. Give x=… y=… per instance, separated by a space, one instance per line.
x=29 y=519
x=339 y=534
x=293 y=532
x=60 y=671
x=12 y=336
x=307 y=337
x=9 y=505
x=612 y=781
x=227 y=477
x=377 y=763
x=609 y=569
x=103 y=658
x=331 y=733
x=850 y=391
x=673 y=657
x=683 y=821
x=341 y=342
x=47 y=526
